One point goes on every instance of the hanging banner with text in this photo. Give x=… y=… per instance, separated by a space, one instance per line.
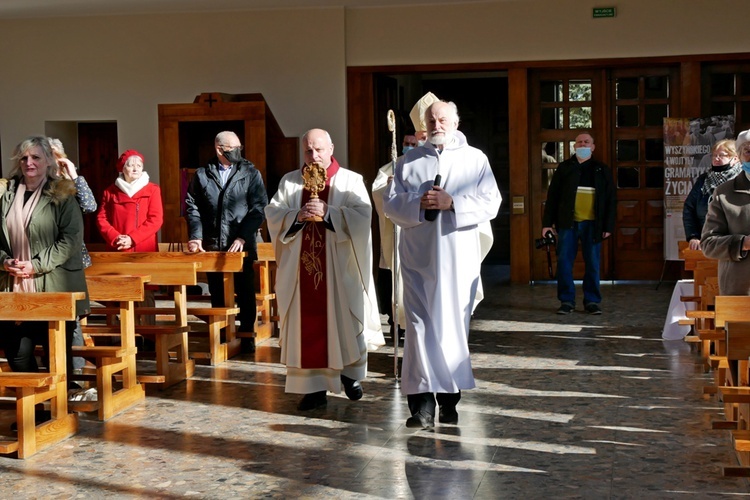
x=687 y=148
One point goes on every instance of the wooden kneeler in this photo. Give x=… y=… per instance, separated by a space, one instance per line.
x=41 y=387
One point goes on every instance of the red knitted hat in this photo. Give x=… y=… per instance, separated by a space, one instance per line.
x=124 y=157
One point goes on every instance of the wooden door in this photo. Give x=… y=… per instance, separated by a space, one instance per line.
x=641 y=99
x=563 y=104
x=97 y=158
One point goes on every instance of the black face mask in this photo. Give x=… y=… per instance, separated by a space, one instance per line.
x=233 y=155
x=721 y=168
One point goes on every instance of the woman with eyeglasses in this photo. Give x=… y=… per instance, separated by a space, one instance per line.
x=726 y=233
x=725 y=165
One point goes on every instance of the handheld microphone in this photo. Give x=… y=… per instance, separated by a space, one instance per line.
x=432 y=213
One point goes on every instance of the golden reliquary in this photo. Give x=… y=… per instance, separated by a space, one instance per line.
x=315 y=177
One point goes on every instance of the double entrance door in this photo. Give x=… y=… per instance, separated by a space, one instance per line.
x=623 y=109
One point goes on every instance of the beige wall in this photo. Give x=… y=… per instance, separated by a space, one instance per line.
x=533 y=30
x=121 y=68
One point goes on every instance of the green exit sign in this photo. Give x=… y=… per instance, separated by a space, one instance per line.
x=605 y=12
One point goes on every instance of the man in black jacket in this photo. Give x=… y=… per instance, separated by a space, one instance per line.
x=224 y=208
x=581 y=204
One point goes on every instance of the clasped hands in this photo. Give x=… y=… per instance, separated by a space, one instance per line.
x=315 y=207
x=123 y=242
x=197 y=245
x=19 y=268
x=436 y=198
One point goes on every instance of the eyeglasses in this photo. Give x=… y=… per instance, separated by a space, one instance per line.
x=720 y=156
x=226 y=149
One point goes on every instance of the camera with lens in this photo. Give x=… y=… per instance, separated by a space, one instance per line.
x=547 y=241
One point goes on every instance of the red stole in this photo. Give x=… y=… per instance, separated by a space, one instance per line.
x=313 y=288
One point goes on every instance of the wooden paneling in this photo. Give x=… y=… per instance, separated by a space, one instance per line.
x=520 y=224
x=97 y=157
x=186 y=141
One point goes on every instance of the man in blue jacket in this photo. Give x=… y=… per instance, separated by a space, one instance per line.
x=224 y=209
x=581 y=204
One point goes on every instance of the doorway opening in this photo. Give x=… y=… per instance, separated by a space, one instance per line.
x=92 y=147
x=482 y=101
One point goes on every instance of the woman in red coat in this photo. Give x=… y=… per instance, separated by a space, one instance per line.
x=131 y=213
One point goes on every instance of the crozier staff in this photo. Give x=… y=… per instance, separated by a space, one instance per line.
x=440 y=261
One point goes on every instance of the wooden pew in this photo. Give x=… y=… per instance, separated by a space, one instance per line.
x=170 y=336
x=728 y=308
x=216 y=318
x=706 y=287
x=118 y=360
x=690 y=257
x=265 y=298
x=736 y=397
x=42 y=387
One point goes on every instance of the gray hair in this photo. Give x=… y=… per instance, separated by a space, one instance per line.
x=451 y=105
x=57 y=147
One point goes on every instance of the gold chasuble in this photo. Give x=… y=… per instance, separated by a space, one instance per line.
x=313 y=286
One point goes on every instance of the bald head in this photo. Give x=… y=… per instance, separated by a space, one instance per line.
x=318 y=147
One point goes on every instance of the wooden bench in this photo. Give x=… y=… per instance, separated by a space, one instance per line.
x=728 y=308
x=117 y=360
x=216 y=318
x=706 y=288
x=48 y=387
x=171 y=337
x=265 y=298
x=690 y=257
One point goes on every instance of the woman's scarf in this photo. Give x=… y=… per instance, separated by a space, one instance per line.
x=715 y=178
x=132 y=188
x=19 y=217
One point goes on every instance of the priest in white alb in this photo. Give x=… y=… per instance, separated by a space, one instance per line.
x=443 y=240
x=324 y=283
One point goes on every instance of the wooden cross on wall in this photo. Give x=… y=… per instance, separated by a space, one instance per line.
x=209 y=98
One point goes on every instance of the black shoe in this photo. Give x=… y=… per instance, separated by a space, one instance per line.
x=448 y=415
x=352 y=388
x=421 y=419
x=247 y=345
x=593 y=308
x=312 y=401
x=565 y=309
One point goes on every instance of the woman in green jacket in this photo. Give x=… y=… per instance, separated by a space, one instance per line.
x=41 y=233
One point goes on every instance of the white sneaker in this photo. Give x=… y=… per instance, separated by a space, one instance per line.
x=83 y=395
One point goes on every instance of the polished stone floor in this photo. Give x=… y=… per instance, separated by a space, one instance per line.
x=574 y=406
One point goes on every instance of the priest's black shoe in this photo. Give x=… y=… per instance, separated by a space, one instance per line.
x=247 y=345
x=312 y=401
x=448 y=415
x=352 y=388
x=421 y=419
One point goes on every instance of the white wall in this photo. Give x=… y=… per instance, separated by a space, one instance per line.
x=120 y=68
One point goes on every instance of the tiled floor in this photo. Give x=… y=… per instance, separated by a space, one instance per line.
x=571 y=406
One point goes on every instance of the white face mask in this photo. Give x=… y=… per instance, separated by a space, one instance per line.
x=420 y=143
x=583 y=153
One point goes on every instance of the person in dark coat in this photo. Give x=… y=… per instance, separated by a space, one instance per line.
x=725 y=166
x=225 y=206
x=581 y=205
